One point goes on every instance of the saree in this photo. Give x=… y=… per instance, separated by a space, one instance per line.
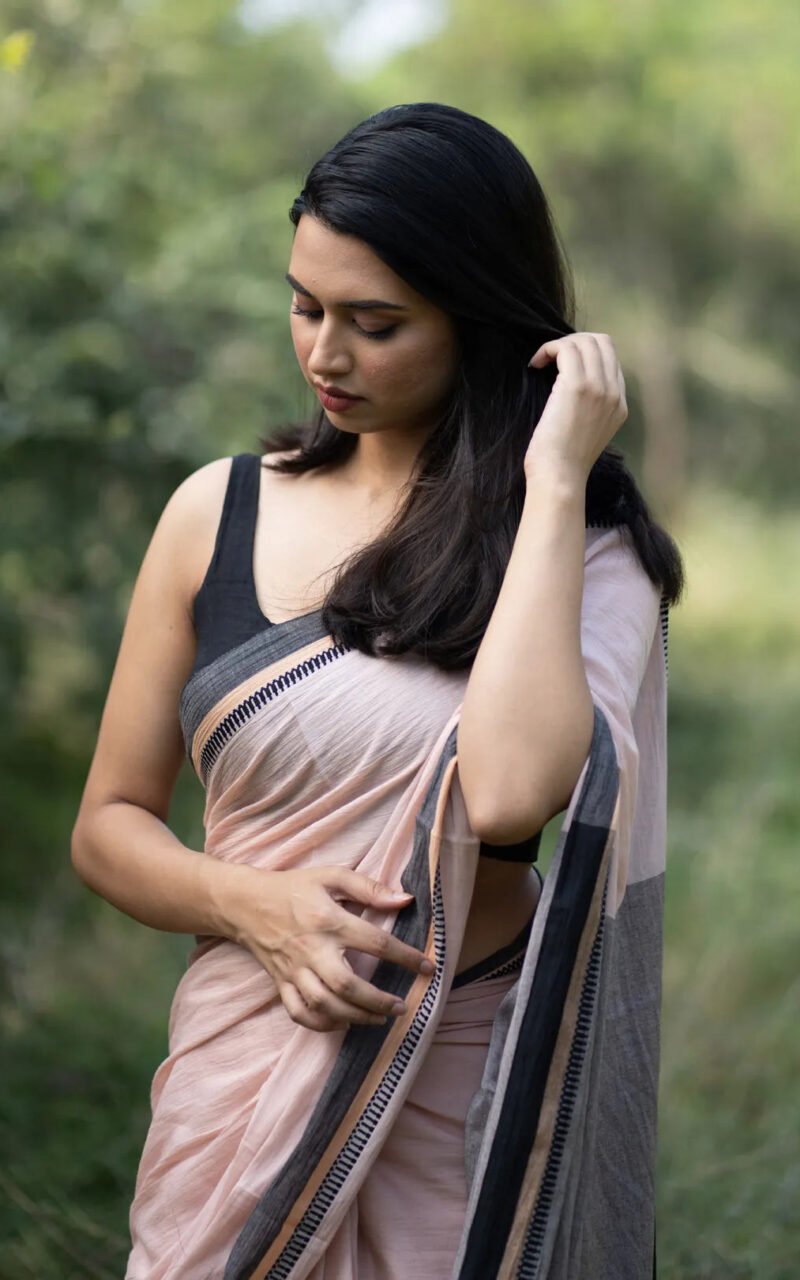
x=267 y=1155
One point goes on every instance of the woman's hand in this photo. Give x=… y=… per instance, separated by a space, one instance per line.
x=585 y=409
x=293 y=924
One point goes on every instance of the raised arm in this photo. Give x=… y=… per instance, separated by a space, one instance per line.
x=527 y=717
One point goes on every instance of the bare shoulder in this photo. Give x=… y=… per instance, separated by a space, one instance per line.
x=203 y=486
x=188 y=524
x=192 y=515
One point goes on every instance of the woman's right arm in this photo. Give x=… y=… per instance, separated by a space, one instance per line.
x=123 y=849
x=121 y=845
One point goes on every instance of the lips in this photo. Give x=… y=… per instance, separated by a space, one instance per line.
x=338 y=403
x=335 y=393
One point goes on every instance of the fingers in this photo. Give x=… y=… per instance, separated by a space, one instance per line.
x=311 y=1003
x=621 y=388
x=546 y=352
x=571 y=362
x=590 y=360
x=299 y=1012
x=597 y=378
x=565 y=351
x=608 y=361
x=360 y=888
x=614 y=377
x=347 y=986
x=358 y=934
x=362 y=936
x=596 y=355
x=320 y=990
x=321 y=1000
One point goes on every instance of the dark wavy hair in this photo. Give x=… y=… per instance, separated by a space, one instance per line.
x=452 y=206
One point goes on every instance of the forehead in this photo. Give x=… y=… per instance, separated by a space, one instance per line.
x=328 y=263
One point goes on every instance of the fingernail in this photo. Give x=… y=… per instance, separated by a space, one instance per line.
x=397 y=1009
x=426 y=967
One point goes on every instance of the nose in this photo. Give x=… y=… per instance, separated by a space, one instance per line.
x=329 y=355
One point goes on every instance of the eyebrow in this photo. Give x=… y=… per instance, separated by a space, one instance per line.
x=360 y=304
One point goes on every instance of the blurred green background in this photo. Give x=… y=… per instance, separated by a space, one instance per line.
x=150 y=152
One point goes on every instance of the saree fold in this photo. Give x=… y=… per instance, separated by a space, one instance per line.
x=264 y=1133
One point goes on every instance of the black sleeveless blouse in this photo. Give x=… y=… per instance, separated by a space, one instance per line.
x=227 y=612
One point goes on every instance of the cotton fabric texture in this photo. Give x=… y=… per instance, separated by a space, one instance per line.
x=502 y=1128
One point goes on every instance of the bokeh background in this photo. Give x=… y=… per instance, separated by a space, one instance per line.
x=149 y=152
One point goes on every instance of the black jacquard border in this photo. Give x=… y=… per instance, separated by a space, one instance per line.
x=210 y=684
x=238 y=716
x=357 y=1054
x=498 y=959
x=518 y=1122
x=664 y=620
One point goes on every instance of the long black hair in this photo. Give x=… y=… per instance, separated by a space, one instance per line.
x=452 y=206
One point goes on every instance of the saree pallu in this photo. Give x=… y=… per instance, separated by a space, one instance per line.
x=257 y=1161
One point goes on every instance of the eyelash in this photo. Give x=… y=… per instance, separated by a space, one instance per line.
x=379 y=333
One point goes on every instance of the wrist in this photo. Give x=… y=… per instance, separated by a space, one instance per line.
x=227 y=892
x=557 y=482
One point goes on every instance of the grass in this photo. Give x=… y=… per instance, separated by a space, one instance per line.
x=729 y=1173
x=84 y=1016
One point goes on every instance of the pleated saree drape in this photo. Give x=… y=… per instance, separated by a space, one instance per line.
x=264 y=1135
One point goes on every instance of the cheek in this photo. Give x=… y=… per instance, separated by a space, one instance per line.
x=302 y=343
x=417 y=372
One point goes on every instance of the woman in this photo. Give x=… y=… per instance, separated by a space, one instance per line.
x=393 y=649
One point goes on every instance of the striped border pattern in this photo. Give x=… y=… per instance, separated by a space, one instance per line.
x=534 y=1241
x=365 y=1126
x=664 y=618
x=359 y=1069
x=259 y=698
x=521 y=1143
x=210 y=686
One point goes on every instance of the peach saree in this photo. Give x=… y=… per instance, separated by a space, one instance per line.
x=279 y=1153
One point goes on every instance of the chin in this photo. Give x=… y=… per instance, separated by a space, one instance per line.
x=358 y=429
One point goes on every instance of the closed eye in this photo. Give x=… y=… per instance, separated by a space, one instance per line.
x=367 y=333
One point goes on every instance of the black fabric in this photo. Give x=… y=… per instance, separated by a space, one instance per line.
x=526 y=850
x=226 y=611
x=519 y=1119
x=503 y=956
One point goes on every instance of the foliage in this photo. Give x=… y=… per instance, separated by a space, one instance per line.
x=663 y=133
x=150 y=152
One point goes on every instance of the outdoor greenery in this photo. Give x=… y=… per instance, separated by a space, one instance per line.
x=150 y=150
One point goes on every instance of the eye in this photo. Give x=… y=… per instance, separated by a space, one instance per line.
x=375 y=333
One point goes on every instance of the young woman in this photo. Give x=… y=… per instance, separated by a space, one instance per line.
x=424 y=624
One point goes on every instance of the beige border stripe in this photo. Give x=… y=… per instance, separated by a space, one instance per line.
x=388 y=1051
x=555 y=1079
x=218 y=713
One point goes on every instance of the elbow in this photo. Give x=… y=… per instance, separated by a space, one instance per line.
x=81 y=849
x=77 y=850
x=514 y=814
x=506 y=826
x=516 y=799
x=509 y=821
x=507 y=834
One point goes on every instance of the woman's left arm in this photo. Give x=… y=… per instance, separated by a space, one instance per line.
x=527 y=718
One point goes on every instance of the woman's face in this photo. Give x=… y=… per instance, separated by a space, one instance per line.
x=400 y=358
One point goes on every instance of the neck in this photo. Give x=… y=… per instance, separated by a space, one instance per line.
x=383 y=462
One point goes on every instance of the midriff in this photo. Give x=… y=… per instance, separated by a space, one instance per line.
x=504 y=899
